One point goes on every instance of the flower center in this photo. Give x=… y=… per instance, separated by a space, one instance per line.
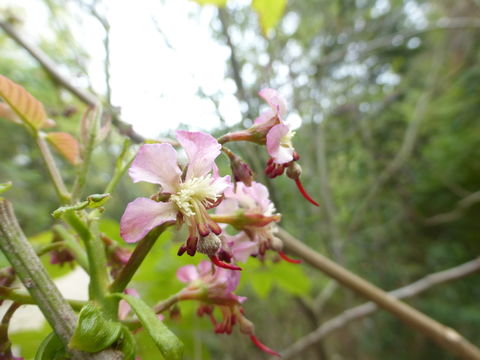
x=194 y=193
x=286 y=140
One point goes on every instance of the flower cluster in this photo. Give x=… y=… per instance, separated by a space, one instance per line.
x=194 y=194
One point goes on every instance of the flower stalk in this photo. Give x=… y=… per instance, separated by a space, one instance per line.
x=33 y=275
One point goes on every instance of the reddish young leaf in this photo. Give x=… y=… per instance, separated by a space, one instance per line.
x=66 y=145
x=29 y=109
x=6 y=112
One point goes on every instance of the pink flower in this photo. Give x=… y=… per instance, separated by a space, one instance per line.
x=214 y=288
x=279 y=135
x=212 y=285
x=189 y=193
x=251 y=211
x=270 y=129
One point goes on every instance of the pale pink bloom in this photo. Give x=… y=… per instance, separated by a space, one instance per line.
x=209 y=284
x=189 y=195
x=253 y=212
x=279 y=136
x=214 y=287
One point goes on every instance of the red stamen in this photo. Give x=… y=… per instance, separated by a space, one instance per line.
x=304 y=193
x=263 y=347
x=221 y=264
x=288 y=259
x=181 y=251
x=192 y=245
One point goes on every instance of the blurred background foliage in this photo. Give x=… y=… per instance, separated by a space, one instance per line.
x=388 y=91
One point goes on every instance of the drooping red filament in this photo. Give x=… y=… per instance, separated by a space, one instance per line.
x=222 y=264
x=288 y=259
x=263 y=347
x=304 y=192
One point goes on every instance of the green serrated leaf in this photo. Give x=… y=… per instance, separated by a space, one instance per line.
x=167 y=342
x=93 y=332
x=219 y=3
x=51 y=348
x=269 y=12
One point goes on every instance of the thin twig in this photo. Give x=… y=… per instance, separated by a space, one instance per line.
x=456 y=213
x=445 y=337
x=366 y=309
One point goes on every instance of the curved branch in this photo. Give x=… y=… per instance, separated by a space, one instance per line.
x=445 y=337
x=366 y=309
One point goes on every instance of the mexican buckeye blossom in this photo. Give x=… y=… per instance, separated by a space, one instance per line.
x=214 y=288
x=188 y=194
x=249 y=209
x=270 y=129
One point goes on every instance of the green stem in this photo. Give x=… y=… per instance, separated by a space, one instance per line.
x=33 y=275
x=7 y=293
x=97 y=261
x=136 y=259
x=120 y=167
x=44 y=249
x=72 y=244
x=55 y=176
x=91 y=127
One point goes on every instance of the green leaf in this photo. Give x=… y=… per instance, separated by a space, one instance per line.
x=283 y=275
x=127 y=344
x=5 y=186
x=269 y=12
x=93 y=201
x=220 y=3
x=51 y=348
x=167 y=342
x=29 y=109
x=93 y=332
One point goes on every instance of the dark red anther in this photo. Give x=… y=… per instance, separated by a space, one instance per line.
x=224 y=255
x=296 y=157
x=203 y=229
x=269 y=168
x=263 y=347
x=279 y=171
x=192 y=245
x=222 y=264
x=270 y=161
x=216 y=229
x=304 y=192
x=288 y=259
x=182 y=250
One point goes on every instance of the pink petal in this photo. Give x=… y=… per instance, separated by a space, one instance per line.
x=142 y=215
x=123 y=307
x=244 y=250
x=265 y=116
x=187 y=274
x=157 y=164
x=280 y=154
x=275 y=100
x=202 y=149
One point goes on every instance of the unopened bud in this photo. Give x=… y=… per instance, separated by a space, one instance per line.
x=294 y=170
x=246 y=326
x=241 y=171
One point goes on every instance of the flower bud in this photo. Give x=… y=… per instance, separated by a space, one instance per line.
x=294 y=170
x=241 y=171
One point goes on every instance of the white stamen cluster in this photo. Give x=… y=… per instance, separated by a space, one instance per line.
x=195 y=192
